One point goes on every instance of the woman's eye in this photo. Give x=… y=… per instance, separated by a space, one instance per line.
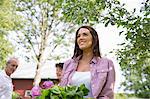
x=78 y=36
x=85 y=34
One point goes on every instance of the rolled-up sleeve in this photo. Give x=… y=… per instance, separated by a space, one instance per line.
x=108 y=88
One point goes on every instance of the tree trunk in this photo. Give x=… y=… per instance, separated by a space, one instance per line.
x=37 y=78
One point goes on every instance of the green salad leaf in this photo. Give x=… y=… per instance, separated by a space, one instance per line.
x=65 y=92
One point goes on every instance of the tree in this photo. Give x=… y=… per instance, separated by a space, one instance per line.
x=83 y=11
x=5 y=50
x=43 y=32
x=7 y=23
x=134 y=57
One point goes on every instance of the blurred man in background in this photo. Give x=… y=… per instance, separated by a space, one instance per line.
x=6 y=86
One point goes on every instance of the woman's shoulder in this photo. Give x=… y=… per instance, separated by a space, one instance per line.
x=68 y=61
x=104 y=59
x=104 y=64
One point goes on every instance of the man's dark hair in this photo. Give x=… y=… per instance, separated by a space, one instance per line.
x=60 y=65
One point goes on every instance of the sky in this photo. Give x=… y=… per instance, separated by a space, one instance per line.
x=109 y=40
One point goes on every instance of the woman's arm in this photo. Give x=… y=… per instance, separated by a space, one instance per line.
x=108 y=89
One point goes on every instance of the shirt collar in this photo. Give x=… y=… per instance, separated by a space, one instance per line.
x=4 y=72
x=94 y=59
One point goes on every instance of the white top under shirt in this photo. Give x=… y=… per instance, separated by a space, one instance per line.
x=6 y=87
x=79 y=78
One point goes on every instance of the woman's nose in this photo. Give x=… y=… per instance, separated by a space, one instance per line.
x=81 y=37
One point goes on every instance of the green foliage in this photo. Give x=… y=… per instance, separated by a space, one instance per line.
x=134 y=57
x=83 y=11
x=16 y=95
x=120 y=96
x=8 y=18
x=8 y=21
x=67 y=92
x=125 y=96
x=5 y=49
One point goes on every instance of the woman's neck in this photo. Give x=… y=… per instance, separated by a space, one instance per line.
x=87 y=56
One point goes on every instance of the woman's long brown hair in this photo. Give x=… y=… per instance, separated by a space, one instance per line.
x=95 y=43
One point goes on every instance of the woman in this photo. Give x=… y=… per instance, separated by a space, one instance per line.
x=88 y=67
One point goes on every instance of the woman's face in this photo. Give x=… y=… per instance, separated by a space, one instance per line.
x=84 y=39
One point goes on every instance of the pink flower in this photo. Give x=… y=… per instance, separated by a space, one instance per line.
x=36 y=91
x=47 y=84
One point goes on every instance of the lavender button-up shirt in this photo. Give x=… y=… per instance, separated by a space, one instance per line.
x=102 y=76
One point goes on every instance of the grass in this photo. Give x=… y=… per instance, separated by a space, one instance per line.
x=125 y=96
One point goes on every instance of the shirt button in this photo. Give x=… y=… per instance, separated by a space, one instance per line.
x=93 y=86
